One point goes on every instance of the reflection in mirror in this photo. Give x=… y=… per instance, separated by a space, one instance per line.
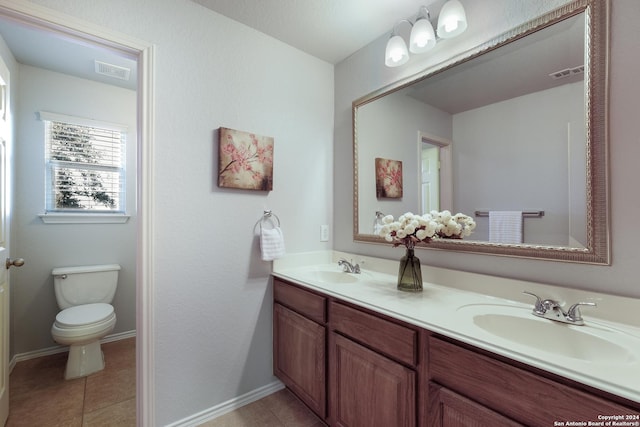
x=517 y=126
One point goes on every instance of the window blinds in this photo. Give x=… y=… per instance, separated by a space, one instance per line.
x=85 y=165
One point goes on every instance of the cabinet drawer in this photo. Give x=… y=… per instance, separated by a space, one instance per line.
x=306 y=303
x=391 y=339
x=519 y=394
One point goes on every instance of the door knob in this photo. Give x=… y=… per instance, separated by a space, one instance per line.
x=18 y=262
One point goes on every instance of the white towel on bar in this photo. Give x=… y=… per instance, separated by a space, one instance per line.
x=271 y=243
x=505 y=226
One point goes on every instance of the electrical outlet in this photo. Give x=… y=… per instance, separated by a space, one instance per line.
x=324 y=233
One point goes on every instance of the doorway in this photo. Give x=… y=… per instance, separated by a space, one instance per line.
x=55 y=25
x=430 y=177
x=435 y=178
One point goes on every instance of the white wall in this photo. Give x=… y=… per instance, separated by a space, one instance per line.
x=46 y=246
x=364 y=72
x=212 y=295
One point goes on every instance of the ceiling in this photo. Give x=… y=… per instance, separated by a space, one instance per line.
x=42 y=49
x=327 y=29
x=521 y=67
x=330 y=30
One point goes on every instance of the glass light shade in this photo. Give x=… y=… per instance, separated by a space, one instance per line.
x=452 y=20
x=423 y=37
x=396 y=53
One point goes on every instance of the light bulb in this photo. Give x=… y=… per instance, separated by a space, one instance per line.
x=450 y=25
x=396 y=55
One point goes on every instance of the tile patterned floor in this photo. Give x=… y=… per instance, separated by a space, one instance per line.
x=280 y=409
x=40 y=396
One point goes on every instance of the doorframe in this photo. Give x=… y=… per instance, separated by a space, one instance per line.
x=71 y=27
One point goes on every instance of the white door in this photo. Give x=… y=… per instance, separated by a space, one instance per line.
x=4 y=299
x=430 y=178
x=4 y=251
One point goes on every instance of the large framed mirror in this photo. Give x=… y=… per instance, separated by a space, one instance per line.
x=517 y=124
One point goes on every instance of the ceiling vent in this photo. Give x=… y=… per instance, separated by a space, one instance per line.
x=111 y=70
x=567 y=72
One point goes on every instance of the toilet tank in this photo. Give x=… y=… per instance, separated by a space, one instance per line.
x=85 y=285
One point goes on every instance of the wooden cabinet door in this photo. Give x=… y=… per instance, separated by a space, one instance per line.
x=448 y=409
x=367 y=389
x=299 y=347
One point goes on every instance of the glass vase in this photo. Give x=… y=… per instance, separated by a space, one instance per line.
x=410 y=275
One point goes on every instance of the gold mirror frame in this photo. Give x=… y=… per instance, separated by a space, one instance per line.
x=597 y=162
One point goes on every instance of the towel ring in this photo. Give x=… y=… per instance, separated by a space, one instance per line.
x=269 y=216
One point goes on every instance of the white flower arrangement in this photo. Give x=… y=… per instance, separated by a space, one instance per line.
x=410 y=229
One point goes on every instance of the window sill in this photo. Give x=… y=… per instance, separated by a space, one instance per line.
x=73 y=218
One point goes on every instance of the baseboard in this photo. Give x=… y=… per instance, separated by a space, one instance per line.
x=63 y=348
x=228 y=406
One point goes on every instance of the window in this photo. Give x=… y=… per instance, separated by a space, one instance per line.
x=85 y=165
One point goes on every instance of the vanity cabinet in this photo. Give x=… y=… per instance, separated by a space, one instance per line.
x=299 y=344
x=372 y=364
x=467 y=383
x=355 y=367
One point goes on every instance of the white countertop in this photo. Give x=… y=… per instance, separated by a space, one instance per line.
x=450 y=299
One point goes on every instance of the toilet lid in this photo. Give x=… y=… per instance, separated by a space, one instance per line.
x=84 y=314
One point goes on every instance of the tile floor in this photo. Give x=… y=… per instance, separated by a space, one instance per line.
x=280 y=409
x=40 y=396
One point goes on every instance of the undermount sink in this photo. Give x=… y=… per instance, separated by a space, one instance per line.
x=329 y=276
x=591 y=342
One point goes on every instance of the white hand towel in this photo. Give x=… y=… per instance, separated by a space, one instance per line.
x=505 y=226
x=271 y=243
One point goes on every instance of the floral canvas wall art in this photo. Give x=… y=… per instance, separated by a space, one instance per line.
x=245 y=160
x=388 y=178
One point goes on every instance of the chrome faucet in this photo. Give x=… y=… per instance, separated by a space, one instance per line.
x=550 y=309
x=349 y=267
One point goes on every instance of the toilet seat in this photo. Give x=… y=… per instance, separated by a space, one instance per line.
x=83 y=322
x=86 y=314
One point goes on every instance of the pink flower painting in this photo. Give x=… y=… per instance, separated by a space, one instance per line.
x=388 y=178
x=245 y=160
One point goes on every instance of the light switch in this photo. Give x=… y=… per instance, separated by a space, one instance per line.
x=324 y=233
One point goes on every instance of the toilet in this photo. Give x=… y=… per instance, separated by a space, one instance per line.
x=84 y=294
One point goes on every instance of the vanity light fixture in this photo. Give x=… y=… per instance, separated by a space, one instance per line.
x=451 y=22
x=396 y=53
x=422 y=37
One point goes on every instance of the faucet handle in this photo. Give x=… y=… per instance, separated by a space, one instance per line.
x=539 y=307
x=349 y=267
x=574 y=314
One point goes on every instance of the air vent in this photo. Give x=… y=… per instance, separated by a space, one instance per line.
x=111 y=70
x=567 y=72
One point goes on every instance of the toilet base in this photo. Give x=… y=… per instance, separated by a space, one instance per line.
x=83 y=360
